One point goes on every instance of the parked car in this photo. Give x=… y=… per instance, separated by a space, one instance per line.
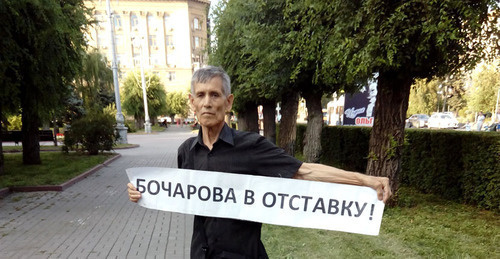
x=417 y=121
x=442 y=121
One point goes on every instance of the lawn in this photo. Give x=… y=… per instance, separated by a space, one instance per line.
x=425 y=227
x=56 y=168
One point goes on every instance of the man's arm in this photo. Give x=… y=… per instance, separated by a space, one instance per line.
x=324 y=173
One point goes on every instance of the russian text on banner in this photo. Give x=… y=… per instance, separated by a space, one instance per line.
x=279 y=201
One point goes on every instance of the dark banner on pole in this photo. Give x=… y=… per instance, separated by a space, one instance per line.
x=359 y=107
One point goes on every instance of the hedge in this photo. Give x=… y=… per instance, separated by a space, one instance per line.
x=458 y=165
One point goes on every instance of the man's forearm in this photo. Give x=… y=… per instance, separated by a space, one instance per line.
x=324 y=173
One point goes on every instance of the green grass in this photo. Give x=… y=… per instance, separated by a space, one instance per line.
x=56 y=168
x=58 y=148
x=426 y=227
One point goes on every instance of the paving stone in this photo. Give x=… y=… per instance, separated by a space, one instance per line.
x=94 y=218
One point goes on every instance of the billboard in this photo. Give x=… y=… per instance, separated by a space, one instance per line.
x=359 y=107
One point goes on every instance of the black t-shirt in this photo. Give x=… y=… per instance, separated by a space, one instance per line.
x=241 y=153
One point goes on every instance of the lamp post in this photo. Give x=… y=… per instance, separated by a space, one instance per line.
x=120 y=119
x=138 y=41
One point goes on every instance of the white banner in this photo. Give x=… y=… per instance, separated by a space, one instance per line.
x=279 y=201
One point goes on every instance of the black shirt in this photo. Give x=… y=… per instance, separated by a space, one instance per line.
x=235 y=152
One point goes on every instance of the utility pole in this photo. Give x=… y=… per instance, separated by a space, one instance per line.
x=120 y=119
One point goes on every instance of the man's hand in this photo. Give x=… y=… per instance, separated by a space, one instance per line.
x=381 y=185
x=133 y=194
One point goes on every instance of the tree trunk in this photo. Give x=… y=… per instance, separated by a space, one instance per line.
x=248 y=119
x=31 y=135
x=312 y=145
x=56 y=131
x=288 y=123
x=269 y=112
x=387 y=135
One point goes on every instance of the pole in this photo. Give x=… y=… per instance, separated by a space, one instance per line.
x=120 y=119
x=147 y=124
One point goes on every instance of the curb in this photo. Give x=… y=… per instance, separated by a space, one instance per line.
x=58 y=188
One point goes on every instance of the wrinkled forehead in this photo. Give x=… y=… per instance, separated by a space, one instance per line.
x=213 y=84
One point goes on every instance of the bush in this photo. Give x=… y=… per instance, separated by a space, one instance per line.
x=458 y=165
x=94 y=132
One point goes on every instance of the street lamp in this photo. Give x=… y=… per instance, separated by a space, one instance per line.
x=120 y=119
x=138 y=42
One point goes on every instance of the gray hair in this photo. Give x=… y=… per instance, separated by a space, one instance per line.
x=206 y=74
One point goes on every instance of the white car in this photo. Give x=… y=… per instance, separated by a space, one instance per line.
x=442 y=121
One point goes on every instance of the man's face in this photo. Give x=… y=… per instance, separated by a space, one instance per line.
x=209 y=103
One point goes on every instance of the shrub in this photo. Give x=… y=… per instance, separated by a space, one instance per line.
x=457 y=165
x=94 y=132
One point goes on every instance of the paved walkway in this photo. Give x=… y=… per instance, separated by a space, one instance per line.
x=94 y=218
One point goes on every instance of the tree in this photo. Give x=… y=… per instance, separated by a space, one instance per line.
x=485 y=84
x=41 y=52
x=95 y=82
x=133 y=102
x=177 y=103
x=423 y=97
x=403 y=41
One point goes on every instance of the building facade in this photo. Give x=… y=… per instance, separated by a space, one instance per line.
x=171 y=33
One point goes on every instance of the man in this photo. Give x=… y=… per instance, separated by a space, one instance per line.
x=220 y=148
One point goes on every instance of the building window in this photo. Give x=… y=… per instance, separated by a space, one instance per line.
x=137 y=60
x=117 y=21
x=167 y=22
x=134 y=22
x=151 y=22
x=152 y=41
x=196 y=24
x=171 y=76
x=196 y=42
x=169 y=40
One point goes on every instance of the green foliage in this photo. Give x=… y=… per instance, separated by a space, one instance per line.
x=95 y=82
x=94 y=132
x=133 y=102
x=57 y=168
x=41 y=50
x=14 y=122
x=482 y=94
x=457 y=165
x=345 y=147
x=177 y=103
x=299 y=141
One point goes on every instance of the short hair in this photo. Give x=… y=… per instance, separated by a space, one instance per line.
x=206 y=74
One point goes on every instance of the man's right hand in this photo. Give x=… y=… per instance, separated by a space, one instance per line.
x=133 y=194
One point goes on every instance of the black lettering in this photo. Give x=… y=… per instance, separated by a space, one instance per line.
x=166 y=189
x=291 y=201
x=141 y=188
x=360 y=211
x=320 y=205
x=273 y=199
x=208 y=193
x=157 y=187
x=190 y=191
x=282 y=195
x=178 y=191
x=305 y=202
x=230 y=195
x=333 y=204
x=346 y=208
x=217 y=194
x=249 y=200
